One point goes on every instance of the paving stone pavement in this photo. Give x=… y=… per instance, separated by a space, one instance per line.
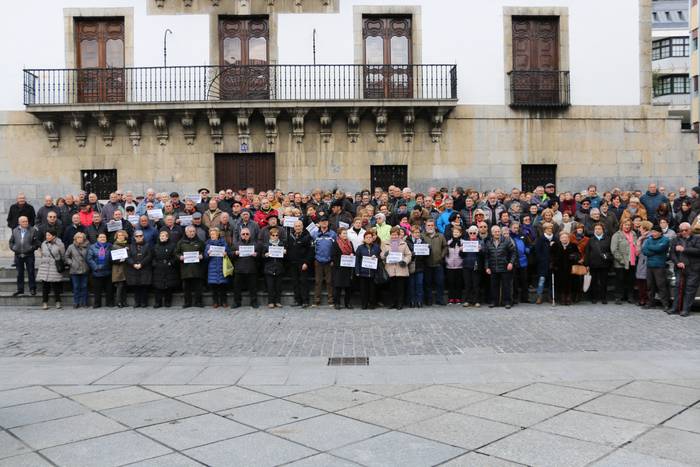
x=292 y=332
x=499 y=424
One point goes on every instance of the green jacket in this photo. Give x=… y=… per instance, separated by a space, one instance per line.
x=190 y=270
x=438 y=249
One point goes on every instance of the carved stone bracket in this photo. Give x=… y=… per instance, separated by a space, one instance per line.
x=243 y=123
x=437 y=117
x=215 y=2
x=381 y=117
x=105 y=125
x=189 y=129
x=353 y=125
x=270 y=2
x=77 y=122
x=298 y=3
x=215 y=128
x=160 y=3
x=242 y=4
x=52 y=131
x=271 y=129
x=409 y=121
x=134 y=126
x=160 y=122
x=188 y=3
x=298 y=124
x=326 y=121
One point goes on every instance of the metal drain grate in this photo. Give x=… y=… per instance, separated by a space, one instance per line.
x=348 y=361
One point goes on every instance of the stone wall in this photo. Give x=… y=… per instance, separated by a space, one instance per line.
x=481 y=147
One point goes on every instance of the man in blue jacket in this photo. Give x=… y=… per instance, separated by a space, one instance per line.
x=323 y=248
x=444 y=219
x=651 y=201
x=656 y=250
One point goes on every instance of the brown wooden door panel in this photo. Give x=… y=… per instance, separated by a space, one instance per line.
x=100 y=59
x=388 y=56
x=244 y=41
x=536 y=58
x=238 y=171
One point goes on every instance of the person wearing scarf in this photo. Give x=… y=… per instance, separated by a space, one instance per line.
x=342 y=276
x=543 y=247
x=166 y=276
x=119 y=269
x=100 y=262
x=623 y=246
x=598 y=257
x=397 y=272
x=453 y=263
x=273 y=269
x=564 y=255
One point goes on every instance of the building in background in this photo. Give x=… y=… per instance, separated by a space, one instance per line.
x=422 y=93
x=670 y=55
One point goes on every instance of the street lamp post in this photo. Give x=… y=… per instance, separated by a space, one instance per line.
x=165 y=47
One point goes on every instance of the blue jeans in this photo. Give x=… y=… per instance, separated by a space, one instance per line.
x=435 y=279
x=80 y=288
x=415 y=288
x=541 y=282
x=27 y=261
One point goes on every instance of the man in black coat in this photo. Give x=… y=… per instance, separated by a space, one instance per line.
x=685 y=254
x=598 y=258
x=300 y=257
x=73 y=228
x=19 y=209
x=245 y=267
x=500 y=258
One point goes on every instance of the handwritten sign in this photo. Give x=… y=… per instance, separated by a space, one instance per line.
x=191 y=257
x=185 y=220
x=276 y=252
x=394 y=257
x=155 y=214
x=246 y=250
x=312 y=229
x=133 y=220
x=217 y=251
x=369 y=263
x=120 y=254
x=470 y=246
x=113 y=226
x=290 y=221
x=343 y=225
x=196 y=199
x=347 y=261
x=421 y=249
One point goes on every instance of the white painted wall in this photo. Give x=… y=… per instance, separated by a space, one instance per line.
x=604 y=58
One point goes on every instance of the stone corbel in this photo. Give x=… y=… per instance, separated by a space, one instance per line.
x=134 y=127
x=242 y=4
x=189 y=129
x=409 y=120
x=325 y=2
x=271 y=129
x=243 y=123
x=353 y=125
x=77 y=122
x=298 y=3
x=437 y=117
x=326 y=121
x=215 y=2
x=271 y=3
x=106 y=128
x=188 y=3
x=298 y=124
x=161 y=125
x=52 y=132
x=215 y=128
x=160 y=3
x=381 y=117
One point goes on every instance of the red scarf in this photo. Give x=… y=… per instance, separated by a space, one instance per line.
x=345 y=246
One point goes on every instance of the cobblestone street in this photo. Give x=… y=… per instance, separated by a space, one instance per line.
x=322 y=332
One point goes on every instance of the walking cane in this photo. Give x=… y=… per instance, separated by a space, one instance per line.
x=554 y=302
x=680 y=292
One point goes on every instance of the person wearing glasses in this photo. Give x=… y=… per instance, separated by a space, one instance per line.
x=245 y=267
x=215 y=268
x=191 y=273
x=138 y=272
x=273 y=268
x=685 y=255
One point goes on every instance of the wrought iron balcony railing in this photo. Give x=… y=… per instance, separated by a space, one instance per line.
x=45 y=87
x=539 y=89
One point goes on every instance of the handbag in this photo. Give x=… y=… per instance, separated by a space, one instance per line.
x=61 y=266
x=587 y=282
x=381 y=276
x=228 y=266
x=578 y=270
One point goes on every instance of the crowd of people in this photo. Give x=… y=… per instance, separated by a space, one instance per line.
x=394 y=248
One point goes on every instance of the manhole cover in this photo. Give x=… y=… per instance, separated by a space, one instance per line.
x=348 y=361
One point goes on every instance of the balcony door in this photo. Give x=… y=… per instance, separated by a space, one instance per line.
x=536 y=59
x=238 y=171
x=243 y=48
x=388 y=56
x=100 y=59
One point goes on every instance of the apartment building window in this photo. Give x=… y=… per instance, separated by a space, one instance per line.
x=672 y=84
x=670 y=47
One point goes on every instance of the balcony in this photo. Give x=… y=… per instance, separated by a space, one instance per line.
x=187 y=93
x=249 y=83
x=539 y=89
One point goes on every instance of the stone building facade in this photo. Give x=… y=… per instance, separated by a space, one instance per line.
x=440 y=134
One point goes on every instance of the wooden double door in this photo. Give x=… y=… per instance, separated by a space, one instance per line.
x=388 y=57
x=99 y=49
x=238 y=171
x=244 y=57
x=536 y=76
